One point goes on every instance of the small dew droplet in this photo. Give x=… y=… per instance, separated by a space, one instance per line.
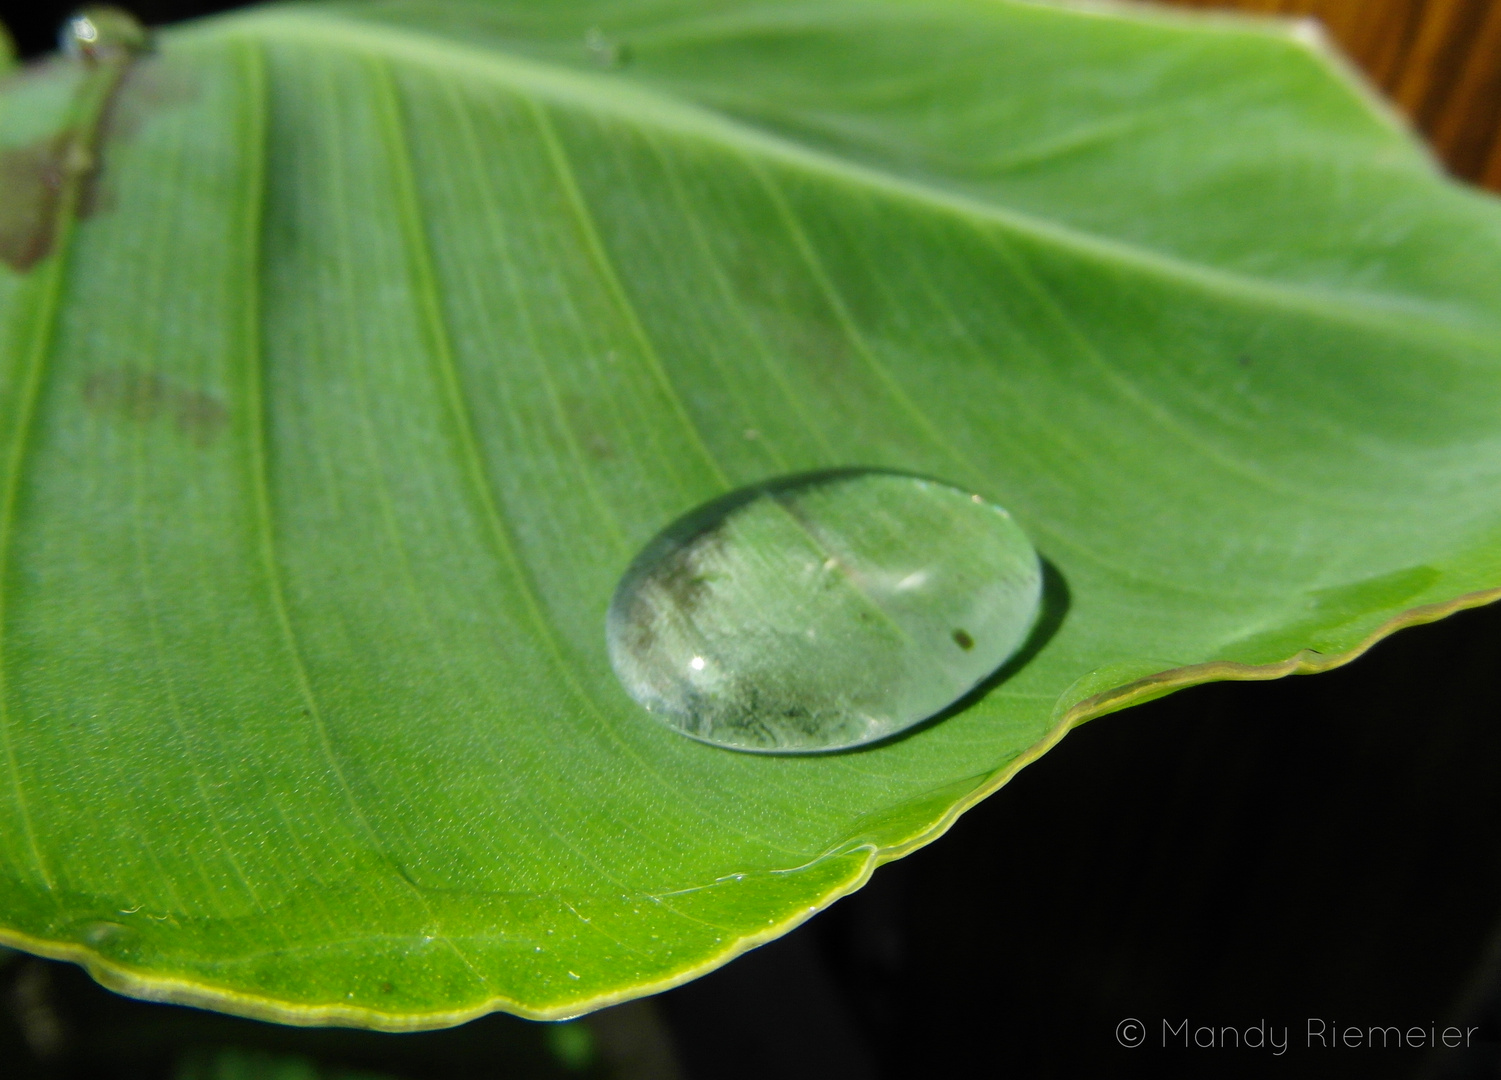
x=105 y=932
x=718 y=629
x=604 y=51
x=103 y=33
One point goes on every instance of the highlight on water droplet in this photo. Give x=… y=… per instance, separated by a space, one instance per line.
x=822 y=611
x=103 y=33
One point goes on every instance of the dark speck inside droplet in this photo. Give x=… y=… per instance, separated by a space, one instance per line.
x=963 y=640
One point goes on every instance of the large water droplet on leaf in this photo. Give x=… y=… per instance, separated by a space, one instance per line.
x=822 y=611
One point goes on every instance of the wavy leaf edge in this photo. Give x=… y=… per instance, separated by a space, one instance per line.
x=175 y=991
x=138 y=983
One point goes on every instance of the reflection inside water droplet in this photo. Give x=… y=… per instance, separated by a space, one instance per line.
x=102 y=33
x=823 y=611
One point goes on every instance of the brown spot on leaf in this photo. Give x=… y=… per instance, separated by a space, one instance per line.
x=586 y=420
x=141 y=397
x=95 y=196
x=31 y=188
x=145 y=87
x=963 y=640
x=33 y=177
x=148 y=86
x=200 y=417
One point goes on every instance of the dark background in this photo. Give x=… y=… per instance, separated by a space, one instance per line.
x=1235 y=854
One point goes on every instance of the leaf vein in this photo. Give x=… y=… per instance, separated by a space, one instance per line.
x=568 y=177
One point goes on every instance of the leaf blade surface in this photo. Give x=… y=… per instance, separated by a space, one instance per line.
x=394 y=330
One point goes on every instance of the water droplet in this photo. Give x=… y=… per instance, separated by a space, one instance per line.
x=104 y=932
x=103 y=33
x=604 y=51
x=105 y=936
x=822 y=611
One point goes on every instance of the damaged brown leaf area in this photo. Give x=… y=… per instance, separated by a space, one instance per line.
x=146 y=86
x=32 y=178
x=142 y=397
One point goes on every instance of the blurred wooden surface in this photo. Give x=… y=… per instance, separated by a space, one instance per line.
x=1439 y=60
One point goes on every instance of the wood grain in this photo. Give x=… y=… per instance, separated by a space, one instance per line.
x=1439 y=60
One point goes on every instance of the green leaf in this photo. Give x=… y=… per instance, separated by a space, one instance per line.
x=348 y=354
